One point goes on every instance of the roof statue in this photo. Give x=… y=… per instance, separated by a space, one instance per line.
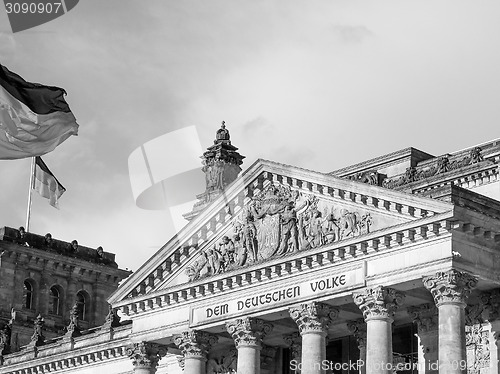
x=222 y=135
x=221 y=165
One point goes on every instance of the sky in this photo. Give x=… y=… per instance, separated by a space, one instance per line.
x=321 y=84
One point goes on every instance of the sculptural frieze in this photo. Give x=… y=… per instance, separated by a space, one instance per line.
x=278 y=221
x=441 y=165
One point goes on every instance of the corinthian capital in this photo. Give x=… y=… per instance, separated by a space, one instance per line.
x=294 y=341
x=425 y=316
x=145 y=354
x=248 y=331
x=450 y=286
x=378 y=302
x=358 y=329
x=313 y=317
x=195 y=343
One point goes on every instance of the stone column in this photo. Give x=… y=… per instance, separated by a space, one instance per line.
x=426 y=318
x=313 y=320
x=294 y=341
x=248 y=334
x=358 y=329
x=378 y=305
x=145 y=356
x=450 y=290
x=195 y=346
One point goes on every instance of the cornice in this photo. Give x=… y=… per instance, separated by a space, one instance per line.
x=34 y=258
x=59 y=357
x=382 y=161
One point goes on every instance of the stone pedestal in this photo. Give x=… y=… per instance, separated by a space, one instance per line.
x=450 y=290
x=248 y=334
x=145 y=356
x=378 y=305
x=195 y=346
x=358 y=329
x=426 y=318
x=313 y=320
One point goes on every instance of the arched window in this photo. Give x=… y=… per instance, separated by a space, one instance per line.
x=82 y=301
x=28 y=294
x=55 y=299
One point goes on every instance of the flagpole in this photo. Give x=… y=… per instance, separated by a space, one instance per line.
x=32 y=185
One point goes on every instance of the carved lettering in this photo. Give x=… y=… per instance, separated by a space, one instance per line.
x=329 y=283
x=218 y=310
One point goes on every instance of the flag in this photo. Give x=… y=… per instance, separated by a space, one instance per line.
x=46 y=184
x=34 y=119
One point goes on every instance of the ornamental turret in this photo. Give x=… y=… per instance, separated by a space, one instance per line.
x=221 y=165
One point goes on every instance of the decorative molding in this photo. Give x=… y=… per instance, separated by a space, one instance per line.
x=477 y=348
x=450 y=286
x=378 y=302
x=248 y=331
x=313 y=317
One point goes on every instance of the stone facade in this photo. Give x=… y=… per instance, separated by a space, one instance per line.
x=391 y=265
x=42 y=276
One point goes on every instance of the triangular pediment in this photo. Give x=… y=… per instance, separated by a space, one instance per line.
x=273 y=210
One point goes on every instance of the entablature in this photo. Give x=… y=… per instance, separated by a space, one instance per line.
x=336 y=255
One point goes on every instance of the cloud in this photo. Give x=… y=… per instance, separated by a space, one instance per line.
x=351 y=34
x=7 y=48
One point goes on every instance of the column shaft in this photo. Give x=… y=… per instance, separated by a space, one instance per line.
x=194 y=365
x=452 y=352
x=248 y=360
x=313 y=352
x=379 y=346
